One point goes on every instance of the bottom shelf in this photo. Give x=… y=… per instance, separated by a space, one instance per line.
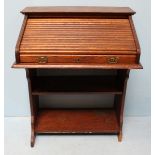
x=77 y=121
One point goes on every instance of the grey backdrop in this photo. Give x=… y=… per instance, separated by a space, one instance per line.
x=16 y=91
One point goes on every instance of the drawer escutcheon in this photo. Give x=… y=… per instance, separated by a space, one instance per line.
x=77 y=60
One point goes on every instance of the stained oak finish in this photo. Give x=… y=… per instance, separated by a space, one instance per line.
x=99 y=59
x=60 y=121
x=77 y=38
x=82 y=121
x=78 y=9
x=77 y=35
x=34 y=104
x=76 y=66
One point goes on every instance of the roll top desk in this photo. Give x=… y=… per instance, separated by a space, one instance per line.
x=79 y=38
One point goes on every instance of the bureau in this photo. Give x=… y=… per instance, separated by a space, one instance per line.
x=77 y=38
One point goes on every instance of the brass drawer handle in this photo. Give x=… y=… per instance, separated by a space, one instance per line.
x=42 y=59
x=113 y=60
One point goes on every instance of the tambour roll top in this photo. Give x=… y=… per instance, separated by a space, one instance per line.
x=73 y=37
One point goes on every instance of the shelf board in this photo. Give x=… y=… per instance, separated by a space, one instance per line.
x=76 y=121
x=75 y=84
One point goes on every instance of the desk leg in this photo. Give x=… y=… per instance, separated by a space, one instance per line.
x=122 y=78
x=34 y=101
x=120 y=136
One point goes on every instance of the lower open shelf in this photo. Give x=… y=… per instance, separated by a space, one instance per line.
x=77 y=121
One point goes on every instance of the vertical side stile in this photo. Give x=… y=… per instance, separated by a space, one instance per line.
x=122 y=78
x=17 y=49
x=33 y=104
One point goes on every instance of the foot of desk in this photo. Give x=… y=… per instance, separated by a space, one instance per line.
x=33 y=137
x=120 y=136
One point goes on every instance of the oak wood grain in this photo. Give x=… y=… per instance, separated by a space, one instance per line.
x=77 y=9
x=17 y=48
x=84 y=121
x=91 y=36
x=77 y=66
x=77 y=38
x=80 y=59
x=77 y=35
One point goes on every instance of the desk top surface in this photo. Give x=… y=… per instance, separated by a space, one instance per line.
x=78 y=9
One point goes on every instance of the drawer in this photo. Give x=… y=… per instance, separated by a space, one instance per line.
x=94 y=59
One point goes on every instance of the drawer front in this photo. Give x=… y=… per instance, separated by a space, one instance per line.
x=94 y=59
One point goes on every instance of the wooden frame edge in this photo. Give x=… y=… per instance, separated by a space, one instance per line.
x=70 y=66
x=20 y=38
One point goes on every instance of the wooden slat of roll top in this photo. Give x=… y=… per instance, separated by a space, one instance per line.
x=51 y=35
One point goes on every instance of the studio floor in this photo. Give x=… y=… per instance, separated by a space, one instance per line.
x=136 y=140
